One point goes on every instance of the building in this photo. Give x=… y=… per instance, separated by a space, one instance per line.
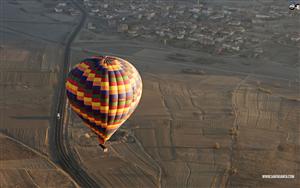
x=58 y=10
x=91 y=26
x=122 y=28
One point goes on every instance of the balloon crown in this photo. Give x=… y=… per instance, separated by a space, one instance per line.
x=107 y=60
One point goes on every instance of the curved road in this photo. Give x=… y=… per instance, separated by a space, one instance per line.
x=60 y=147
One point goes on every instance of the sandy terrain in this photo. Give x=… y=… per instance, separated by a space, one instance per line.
x=26 y=92
x=30 y=58
x=203 y=121
x=20 y=166
x=196 y=126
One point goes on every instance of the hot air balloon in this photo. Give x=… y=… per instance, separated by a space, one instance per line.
x=104 y=91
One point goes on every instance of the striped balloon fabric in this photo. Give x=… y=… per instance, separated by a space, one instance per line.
x=104 y=91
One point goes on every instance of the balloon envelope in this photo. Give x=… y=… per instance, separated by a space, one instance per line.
x=104 y=91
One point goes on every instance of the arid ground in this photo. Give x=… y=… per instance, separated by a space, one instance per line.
x=30 y=60
x=197 y=125
x=203 y=121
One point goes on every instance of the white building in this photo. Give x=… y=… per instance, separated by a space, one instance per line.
x=58 y=10
x=91 y=26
